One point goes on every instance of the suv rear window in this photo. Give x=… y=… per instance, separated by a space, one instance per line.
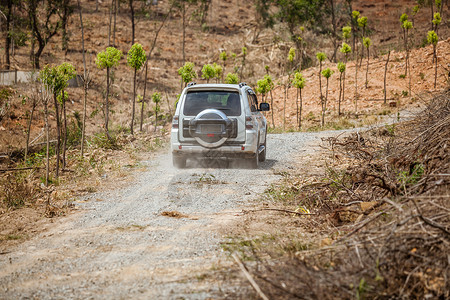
x=227 y=102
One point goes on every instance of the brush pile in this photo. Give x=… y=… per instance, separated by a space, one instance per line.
x=390 y=216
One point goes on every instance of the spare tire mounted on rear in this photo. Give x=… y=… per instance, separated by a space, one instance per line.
x=211 y=128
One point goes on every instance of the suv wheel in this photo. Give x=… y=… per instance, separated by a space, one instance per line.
x=262 y=156
x=179 y=162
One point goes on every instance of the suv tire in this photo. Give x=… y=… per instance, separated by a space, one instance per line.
x=262 y=156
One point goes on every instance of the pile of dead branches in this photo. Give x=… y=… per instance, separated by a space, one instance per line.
x=398 y=247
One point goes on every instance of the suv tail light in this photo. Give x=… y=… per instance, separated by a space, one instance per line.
x=175 y=122
x=248 y=123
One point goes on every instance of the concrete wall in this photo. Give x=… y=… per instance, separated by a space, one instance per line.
x=13 y=77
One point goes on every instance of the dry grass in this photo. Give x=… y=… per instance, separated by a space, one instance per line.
x=387 y=210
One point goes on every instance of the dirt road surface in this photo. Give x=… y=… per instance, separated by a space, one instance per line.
x=154 y=239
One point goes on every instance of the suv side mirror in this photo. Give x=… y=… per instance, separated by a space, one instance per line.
x=264 y=106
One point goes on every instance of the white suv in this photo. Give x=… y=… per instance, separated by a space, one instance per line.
x=219 y=121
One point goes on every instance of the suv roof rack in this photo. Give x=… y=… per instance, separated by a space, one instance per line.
x=242 y=84
x=192 y=83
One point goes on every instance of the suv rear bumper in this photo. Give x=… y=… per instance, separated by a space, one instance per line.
x=192 y=149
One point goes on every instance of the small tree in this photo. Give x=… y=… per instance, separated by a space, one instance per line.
x=232 y=78
x=367 y=42
x=299 y=83
x=346 y=33
x=262 y=87
x=223 y=57
x=107 y=60
x=405 y=25
x=355 y=16
x=187 y=73
x=436 y=21
x=135 y=59
x=320 y=57
x=341 y=68
x=218 y=72
x=66 y=72
x=345 y=49
x=327 y=74
x=432 y=38
x=362 y=23
x=156 y=98
x=244 y=55
x=208 y=72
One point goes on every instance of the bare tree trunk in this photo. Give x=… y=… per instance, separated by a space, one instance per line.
x=110 y=23
x=64 y=131
x=58 y=134
x=385 y=74
x=47 y=136
x=64 y=21
x=301 y=108
x=33 y=107
x=114 y=24
x=184 y=32
x=296 y=109
x=271 y=106
x=340 y=93
x=356 y=86
x=150 y=54
x=333 y=22
x=132 y=22
x=320 y=81
x=367 y=68
x=284 y=106
x=435 y=64
x=343 y=89
x=85 y=81
x=107 y=104
x=7 y=35
x=324 y=105
x=134 y=102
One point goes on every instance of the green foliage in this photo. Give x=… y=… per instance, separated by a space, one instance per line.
x=416 y=9
x=264 y=85
x=291 y=55
x=299 y=81
x=109 y=58
x=403 y=18
x=208 y=72
x=341 y=67
x=432 y=38
x=156 y=98
x=327 y=73
x=367 y=42
x=321 y=56
x=232 y=78
x=355 y=14
x=136 y=56
x=60 y=97
x=407 y=25
x=346 y=49
x=437 y=19
x=187 y=72
x=244 y=51
x=56 y=78
x=218 y=70
x=362 y=22
x=223 y=56
x=438 y=3
x=346 y=32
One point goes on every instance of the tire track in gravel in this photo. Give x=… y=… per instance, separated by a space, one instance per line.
x=119 y=246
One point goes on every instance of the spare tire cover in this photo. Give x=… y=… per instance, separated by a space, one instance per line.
x=205 y=139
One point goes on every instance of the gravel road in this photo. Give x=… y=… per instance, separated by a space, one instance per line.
x=120 y=246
